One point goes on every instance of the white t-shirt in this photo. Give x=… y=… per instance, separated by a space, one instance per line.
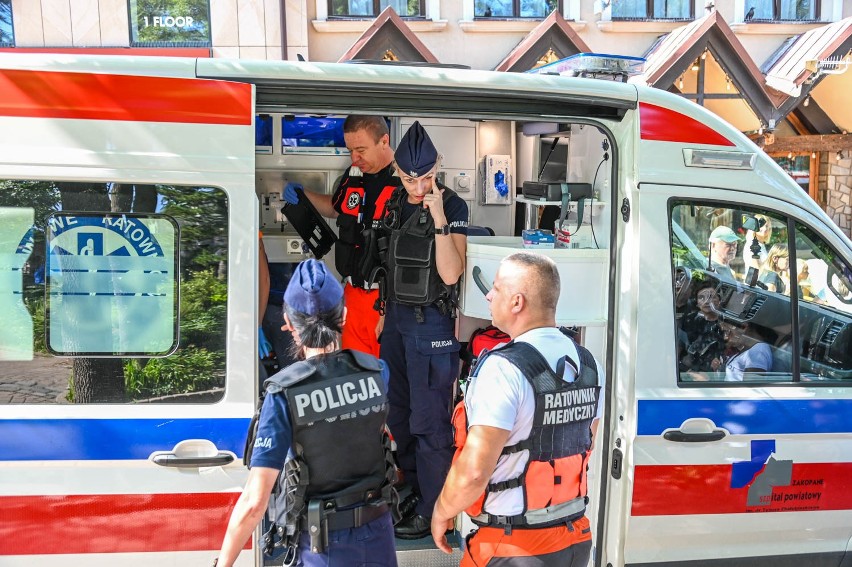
x=499 y=396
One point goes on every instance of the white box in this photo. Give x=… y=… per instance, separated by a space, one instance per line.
x=583 y=275
x=497 y=186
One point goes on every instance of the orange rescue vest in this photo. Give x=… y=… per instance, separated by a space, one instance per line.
x=559 y=444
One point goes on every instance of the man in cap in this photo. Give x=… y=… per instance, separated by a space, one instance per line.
x=427 y=240
x=332 y=506
x=358 y=205
x=723 y=249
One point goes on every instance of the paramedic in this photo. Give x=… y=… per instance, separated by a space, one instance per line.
x=427 y=239
x=723 y=249
x=337 y=440
x=358 y=204
x=506 y=426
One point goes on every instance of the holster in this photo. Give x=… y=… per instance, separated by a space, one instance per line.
x=317 y=526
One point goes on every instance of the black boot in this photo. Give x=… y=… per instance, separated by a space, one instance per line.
x=413 y=527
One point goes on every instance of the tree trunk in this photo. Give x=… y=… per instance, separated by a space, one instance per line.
x=95 y=380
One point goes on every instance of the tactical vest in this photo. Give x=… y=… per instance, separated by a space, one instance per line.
x=352 y=258
x=559 y=444
x=412 y=273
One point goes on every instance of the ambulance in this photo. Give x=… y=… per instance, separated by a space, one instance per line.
x=132 y=194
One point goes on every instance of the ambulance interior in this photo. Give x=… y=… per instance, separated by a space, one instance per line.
x=486 y=162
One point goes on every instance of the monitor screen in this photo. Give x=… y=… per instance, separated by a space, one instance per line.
x=555 y=168
x=302 y=131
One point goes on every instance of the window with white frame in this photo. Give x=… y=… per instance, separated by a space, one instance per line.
x=515 y=8
x=372 y=8
x=781 y=10
x=652 y=9
x=169 y=22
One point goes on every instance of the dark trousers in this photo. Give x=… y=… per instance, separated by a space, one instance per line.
x=423 y=361
x=370 y=545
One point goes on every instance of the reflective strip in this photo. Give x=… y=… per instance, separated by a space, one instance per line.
x=348 y=280
x=541 y=516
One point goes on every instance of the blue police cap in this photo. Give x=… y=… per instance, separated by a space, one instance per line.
x=313 y=289
x=416 y=154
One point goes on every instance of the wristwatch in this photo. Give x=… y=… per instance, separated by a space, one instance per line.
x=444 y=230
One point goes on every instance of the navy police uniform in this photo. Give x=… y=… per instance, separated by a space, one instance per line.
x=327 y=415
x=418 y=342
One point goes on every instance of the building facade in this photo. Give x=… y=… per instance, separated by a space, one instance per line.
x=773 y=68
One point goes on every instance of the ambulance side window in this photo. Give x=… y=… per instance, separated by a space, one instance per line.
x=824 y=284
x=114 y=293
x=732 y=293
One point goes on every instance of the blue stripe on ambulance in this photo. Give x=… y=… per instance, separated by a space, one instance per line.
x=112 y=439
x=749 y=417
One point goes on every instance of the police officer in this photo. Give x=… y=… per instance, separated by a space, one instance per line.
x=323 y=423
x=358 y=204
x=424 y=259
x=525 y=432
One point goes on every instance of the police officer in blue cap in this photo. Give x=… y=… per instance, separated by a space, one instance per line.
x=424 y=261
x=323 y=424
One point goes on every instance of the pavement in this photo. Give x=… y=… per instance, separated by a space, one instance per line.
x=43 y=380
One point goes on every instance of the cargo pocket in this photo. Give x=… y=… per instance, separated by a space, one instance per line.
x=413 y=267
x=539 y=482
x=442 y=353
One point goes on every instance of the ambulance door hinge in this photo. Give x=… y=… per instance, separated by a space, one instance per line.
x=615 y=468
x=625 y=209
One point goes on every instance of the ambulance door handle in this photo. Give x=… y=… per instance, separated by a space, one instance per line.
x=695 y=430
x=193 y=453
x=171 y=460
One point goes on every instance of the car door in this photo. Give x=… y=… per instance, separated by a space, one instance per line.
x=739 y=457
x=127 y=346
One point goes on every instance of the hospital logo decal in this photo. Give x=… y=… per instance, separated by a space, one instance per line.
x=119 y=235
x=772 y=485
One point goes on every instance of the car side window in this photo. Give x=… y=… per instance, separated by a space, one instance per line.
x=112 y=293
x=824 y=283
x=733 y=313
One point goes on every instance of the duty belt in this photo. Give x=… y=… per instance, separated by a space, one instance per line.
x=321 y=521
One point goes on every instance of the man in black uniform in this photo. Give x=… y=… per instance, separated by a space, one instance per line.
x=323 y=424
x=357 y=204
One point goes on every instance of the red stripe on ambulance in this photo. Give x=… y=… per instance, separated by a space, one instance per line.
x=114 y=523
x=666 y=125
x=671 y=490
x=90 y=96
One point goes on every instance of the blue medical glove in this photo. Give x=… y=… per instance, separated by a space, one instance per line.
x=264 y=347
x=291 y=194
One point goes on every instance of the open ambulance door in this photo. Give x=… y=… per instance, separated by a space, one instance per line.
x=128 y=248
x=737 y=444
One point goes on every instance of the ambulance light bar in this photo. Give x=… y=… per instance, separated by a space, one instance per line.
x=594 y=65
x=718 y=159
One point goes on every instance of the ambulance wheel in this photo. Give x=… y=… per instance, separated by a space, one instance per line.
x=682 y=285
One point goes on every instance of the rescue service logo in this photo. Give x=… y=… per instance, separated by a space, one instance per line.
x=105 y=271
x=770 y=482
x=101 y=236
x=352 y=201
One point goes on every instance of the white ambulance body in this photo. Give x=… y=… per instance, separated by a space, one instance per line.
x=126 y=180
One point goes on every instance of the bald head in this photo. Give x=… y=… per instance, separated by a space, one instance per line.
x=536 y=276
